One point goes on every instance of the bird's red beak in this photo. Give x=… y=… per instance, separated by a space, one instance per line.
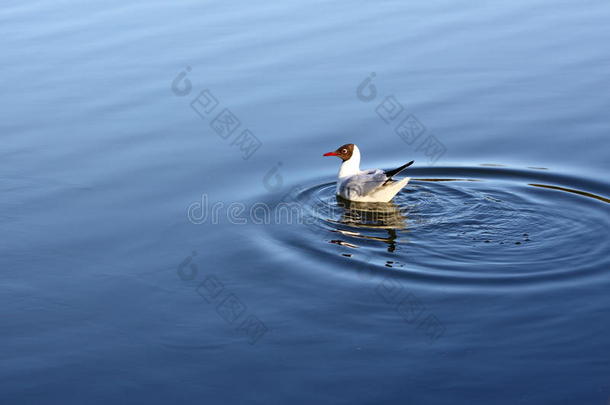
x=330 y=154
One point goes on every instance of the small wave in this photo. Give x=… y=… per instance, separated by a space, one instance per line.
x=472 y=224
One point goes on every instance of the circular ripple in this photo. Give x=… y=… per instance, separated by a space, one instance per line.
x=493 y=224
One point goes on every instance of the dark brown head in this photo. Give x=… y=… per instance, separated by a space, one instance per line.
x=343 y=151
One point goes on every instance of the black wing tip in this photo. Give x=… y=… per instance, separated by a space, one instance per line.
x=394 y=172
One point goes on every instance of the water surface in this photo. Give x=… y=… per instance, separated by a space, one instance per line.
x=485 y=281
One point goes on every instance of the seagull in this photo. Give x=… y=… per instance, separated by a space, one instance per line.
x=373 y=185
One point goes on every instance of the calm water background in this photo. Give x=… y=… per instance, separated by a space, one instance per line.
x=484 y=291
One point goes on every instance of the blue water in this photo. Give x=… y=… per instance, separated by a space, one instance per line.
x=150 y=255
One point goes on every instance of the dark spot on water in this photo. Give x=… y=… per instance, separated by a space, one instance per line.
x=487 y=241
x=388 y=265
x=517 y=243
x=342 y=243
x=527 y=239
x=347 y=254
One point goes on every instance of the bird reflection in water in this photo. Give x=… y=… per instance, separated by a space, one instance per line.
x=372 y=216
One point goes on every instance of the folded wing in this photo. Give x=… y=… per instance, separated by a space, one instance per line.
x=362 y=184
